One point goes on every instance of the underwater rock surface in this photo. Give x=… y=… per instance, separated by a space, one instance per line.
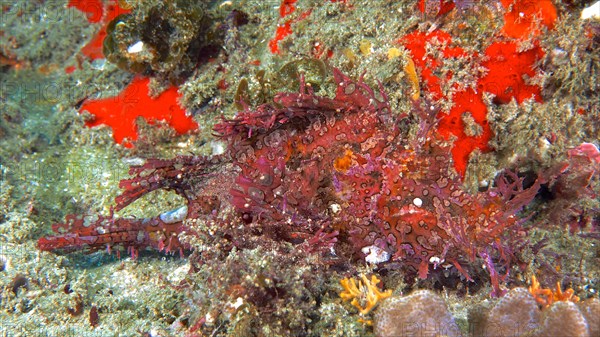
x=299 y=168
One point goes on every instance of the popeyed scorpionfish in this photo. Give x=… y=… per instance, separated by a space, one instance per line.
x=343 y=169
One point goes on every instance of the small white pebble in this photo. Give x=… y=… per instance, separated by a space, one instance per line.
x=418 y=202
x=226 y=3
x=136 y=47
x=209 y=319
x=175 y=215
x=99 y=64
x=217 y=148
x=590 y=12
x=238 y=303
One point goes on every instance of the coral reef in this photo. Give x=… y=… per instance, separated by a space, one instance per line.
x=515 y=314
x=425 y=313
x=506 y=67
x=519 y=314
x=422 y=313
x=447 y=145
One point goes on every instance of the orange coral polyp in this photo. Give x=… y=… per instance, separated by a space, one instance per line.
x=546 y=296
x=366 y=291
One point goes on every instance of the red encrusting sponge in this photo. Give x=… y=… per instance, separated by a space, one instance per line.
x=120 y=112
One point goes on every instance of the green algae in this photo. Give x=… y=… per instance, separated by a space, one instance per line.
x=42 y=35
